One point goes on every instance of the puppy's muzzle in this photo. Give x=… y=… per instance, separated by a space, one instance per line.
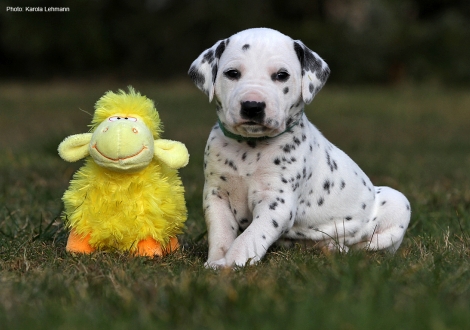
x=253 y=111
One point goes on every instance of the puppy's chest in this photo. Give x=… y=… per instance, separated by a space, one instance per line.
x=244 y=171
x=235 y=164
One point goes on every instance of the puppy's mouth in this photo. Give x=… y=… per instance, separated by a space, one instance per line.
x=251 y=123
x=253 y=129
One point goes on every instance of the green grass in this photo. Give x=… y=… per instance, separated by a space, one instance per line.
x=414 y=139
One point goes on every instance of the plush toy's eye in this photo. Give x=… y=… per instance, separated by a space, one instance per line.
x=114 y=118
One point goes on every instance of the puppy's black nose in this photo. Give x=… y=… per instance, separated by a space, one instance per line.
x=253 y=110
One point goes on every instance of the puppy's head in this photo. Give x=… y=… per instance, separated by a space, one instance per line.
x=260 y=80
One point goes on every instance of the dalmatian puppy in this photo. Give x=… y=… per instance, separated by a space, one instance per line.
x=269 y=173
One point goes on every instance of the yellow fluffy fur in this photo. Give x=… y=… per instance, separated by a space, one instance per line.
x=126 y=104
x=121 y=209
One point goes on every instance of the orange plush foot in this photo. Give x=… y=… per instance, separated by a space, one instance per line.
x=78 y=244
x=150 y=247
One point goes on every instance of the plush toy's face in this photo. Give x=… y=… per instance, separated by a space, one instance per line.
x=122 y=144
x=124 y=128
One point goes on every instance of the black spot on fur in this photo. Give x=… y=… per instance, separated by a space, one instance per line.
x=364 y=206
x=288 y=147
x=280 y=200
x=343 y=184
x=244 y=156
x=273 y=206
x=214 y=73
x=348 y=218
x=275 y=224
x=251 y=143
x=231 y=164
x=285 y=90
x=220 y=49
x=208 y=56
x=320 y=201
x=196 y=76
x=277 y=161
x=245 y=47
x=295 y=186
x=326 y=186
x=243 y=221
x=383 y=203
x=331 y=163
x=223 y=178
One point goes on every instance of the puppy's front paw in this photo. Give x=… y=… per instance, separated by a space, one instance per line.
x=217 y=264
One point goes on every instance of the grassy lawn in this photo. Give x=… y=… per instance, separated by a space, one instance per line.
x=414 y=139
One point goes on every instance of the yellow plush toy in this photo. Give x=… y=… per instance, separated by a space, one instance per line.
x=128 y=195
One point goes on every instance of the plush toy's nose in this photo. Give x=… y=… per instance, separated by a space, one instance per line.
x=121 y=127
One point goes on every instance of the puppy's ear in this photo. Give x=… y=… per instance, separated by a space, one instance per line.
x=315 y=71
x=203 y=70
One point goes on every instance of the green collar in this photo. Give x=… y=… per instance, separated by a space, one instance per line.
x=237 y=137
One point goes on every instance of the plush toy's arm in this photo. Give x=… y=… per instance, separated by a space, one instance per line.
x=75 y=147
x=172 y=153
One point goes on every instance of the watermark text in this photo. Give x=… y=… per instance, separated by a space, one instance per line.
x=37 y=9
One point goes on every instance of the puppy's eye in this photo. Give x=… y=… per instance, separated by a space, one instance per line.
x=233 y=74
x=281 y=75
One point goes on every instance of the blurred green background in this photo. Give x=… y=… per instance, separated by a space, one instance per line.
x=363 y=41
x=397 y=102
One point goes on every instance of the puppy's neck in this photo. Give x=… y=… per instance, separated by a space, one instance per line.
x=290 y=124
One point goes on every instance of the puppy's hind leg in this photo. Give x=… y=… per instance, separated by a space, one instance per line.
x=391 y=219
